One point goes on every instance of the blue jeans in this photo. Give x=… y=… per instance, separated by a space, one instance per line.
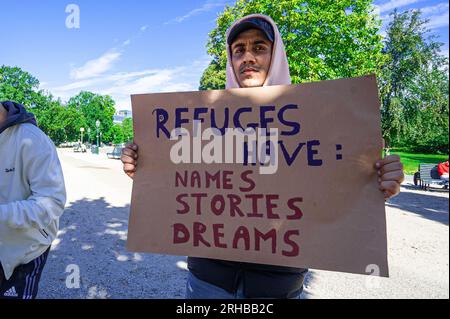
x=199 y=289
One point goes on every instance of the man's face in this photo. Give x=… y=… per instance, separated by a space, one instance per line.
x=251 y=54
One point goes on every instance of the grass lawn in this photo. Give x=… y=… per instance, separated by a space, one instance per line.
x=411 y=161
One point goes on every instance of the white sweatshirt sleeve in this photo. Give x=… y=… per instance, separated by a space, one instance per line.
x=42 y=171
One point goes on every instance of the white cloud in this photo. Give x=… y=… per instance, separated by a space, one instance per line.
x=386 y=19
x=393 y=4
x=438 y=21
x=77 y=85
x=143 y=84
x=439 y=8
x=207 y=6
x=436 y=14
x=376 y=9
x=96 y=67
x=93 y=75
x=121 y=85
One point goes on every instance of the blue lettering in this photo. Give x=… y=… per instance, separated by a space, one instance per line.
x=295 y=126
x=161 y=119
x=312 y=152
x=290 y=159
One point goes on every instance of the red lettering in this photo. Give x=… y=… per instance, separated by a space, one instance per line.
x=199 y=201
x=227 y=180
x=251 y=184
x=241 y=233
x=195 y=178
x=218 y=235
x=180 y=229
x=295 y=249
x=217 y=199
x=212 y=177
x=297 y=211
x=180 y=179
x=271 y=234
x=199 y=229
x=254 y=198
x=270 y=206
x=182 y=202
x=235 y=200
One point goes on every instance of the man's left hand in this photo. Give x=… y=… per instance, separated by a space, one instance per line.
x=390 y=175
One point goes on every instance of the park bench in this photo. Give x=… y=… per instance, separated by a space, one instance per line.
x=428 y=175
x=116 y=153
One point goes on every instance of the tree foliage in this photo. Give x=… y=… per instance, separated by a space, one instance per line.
x=17 y=85
x=338 y=39
x=93 y=108
x=414 y=86
x=127 y=129
x=60 y=122
x=323 y=39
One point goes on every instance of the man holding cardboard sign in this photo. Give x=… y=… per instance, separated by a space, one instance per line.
x=256 y=58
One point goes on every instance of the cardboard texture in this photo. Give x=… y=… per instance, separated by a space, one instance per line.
x=321 y=209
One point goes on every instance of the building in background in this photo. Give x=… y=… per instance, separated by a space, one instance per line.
x=122 y=115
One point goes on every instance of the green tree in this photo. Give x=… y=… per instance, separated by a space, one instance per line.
x=414 y=86
x=213 y=78
x=127 y=127
x=73 y=121
x=60 y=123
x=95 y=107
x=50 y=115
x=21 y=87
x=117 y=133
x=426 y=111
x=17 y=85
x=323 y=39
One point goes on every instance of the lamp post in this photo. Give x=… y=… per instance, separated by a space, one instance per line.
x=97 y=124
x=81 y=134
x=89 y=135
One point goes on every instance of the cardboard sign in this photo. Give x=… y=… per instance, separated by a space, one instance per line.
x=304 y=193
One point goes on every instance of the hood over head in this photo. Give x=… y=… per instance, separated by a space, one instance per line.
x=16 y=115
x=279 y=68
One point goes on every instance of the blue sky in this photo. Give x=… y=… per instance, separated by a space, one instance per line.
x=133 y=46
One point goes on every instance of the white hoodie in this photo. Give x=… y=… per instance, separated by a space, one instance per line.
x=32 y=195
x=279 y=68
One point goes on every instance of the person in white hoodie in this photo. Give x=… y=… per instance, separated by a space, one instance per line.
x=32 y=198
x=256 y=57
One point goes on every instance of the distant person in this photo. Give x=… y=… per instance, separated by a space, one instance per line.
x=32 y=198
x=256 y=57
x=443 y=170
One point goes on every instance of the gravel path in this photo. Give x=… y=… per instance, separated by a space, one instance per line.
x=93 y=234
x=418 y=245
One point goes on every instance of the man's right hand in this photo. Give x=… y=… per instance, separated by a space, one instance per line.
x=129 y=159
